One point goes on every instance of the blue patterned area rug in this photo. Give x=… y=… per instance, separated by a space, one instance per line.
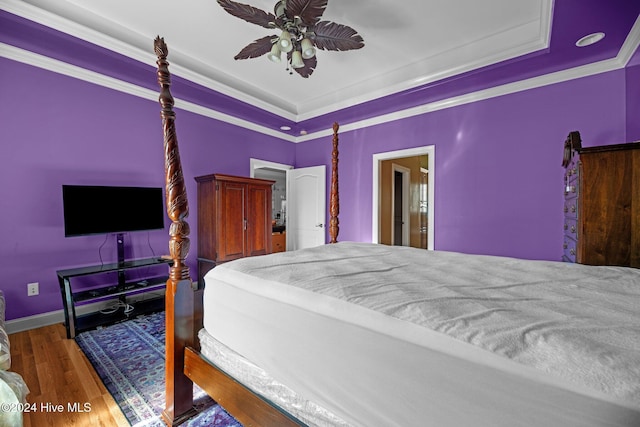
x=129 y=358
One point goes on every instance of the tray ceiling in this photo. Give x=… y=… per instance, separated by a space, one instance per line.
x=409 y=45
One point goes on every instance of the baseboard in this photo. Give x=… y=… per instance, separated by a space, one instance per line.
x=51 y=318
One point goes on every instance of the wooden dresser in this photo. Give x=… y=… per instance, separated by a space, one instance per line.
x=279 y=241
x=602 y=203
x=234 y=219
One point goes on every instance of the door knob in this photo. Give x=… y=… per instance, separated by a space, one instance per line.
x=320 y=225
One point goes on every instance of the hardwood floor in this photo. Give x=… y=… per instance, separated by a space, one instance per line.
x=64 y=388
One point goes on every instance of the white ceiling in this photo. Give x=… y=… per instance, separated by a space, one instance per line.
x=407 y=43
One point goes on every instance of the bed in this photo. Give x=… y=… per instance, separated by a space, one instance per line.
x=362 y=334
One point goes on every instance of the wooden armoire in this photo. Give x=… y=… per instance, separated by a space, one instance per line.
x=234 y=219
x=602 y=203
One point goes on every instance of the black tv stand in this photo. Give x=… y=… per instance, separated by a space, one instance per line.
x=70 y=298
x=121 y=259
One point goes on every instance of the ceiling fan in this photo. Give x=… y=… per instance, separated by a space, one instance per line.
x=301 y=32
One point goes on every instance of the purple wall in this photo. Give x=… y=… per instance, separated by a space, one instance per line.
x=58 y=130
x=498 y=173
x=633 y=98
x=498 y=164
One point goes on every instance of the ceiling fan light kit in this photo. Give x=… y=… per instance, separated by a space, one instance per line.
x=308 y=51
x=296 y=59
x=275 y=53
x=285 y=42
x=302 y=33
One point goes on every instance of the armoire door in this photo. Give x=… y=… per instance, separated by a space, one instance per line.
x=231 y=221
x=258 y=216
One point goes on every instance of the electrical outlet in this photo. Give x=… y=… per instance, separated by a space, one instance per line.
x=33 y=289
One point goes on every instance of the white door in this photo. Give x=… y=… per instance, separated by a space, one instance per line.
x=306 y=203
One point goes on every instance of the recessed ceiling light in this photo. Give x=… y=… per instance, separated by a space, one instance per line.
x=285 y=127
x=303 y=132
x=590 y=39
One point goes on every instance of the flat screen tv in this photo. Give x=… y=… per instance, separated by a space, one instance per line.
x=104 y=210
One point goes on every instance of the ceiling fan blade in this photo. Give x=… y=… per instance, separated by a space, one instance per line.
x=309 y=65
x=256 y=48
x=310 y=11
x=249 y=13
x=332 y=36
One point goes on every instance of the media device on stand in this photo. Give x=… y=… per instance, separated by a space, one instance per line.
x=91 y=210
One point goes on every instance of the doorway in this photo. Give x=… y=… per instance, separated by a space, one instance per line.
x=403 y=197
x=299 y=202
x=276 y=172
x=400 y=205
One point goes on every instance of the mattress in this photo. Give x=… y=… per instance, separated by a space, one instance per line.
x=382 y=335
x=262 y=383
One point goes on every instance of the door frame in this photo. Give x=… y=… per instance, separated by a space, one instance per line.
x=430 y=151
x=255 y=164
x=406 y=219
x=259 y=164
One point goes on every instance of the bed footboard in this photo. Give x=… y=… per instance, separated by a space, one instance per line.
x=246 y=407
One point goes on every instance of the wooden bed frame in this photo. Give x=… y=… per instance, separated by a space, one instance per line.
x=184 y=310
x=184 y=365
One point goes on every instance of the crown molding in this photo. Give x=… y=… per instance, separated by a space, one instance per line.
x=60 y=67
x=506 y=89
x=620 y=61
x=181 y=65
x=376 y=88
x=50 y=64
x=630 y=45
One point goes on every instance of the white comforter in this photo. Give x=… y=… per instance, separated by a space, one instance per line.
x=574 y=322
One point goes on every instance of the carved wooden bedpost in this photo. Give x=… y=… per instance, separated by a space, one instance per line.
x=179 y=299
x=334 y=202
